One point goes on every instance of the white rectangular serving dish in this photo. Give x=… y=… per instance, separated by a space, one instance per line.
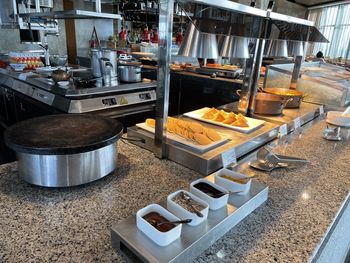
x=230 y=185
x=182 y=213
x=196 y=146
x=253 y=123
x=214 y=203
x=160 y=238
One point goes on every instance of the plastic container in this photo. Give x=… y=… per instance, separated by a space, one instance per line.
x=214 y=203
x=182 y=213
x=231 y=186
x=160 y=238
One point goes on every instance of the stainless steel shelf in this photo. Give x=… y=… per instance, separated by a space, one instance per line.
x=210 y=161
x=136 y=247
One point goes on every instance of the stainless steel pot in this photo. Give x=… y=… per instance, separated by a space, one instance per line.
x=130 y=73
x=294 y=97
x=269 y=104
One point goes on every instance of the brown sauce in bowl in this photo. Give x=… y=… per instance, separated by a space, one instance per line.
x=209 y=190
x=155 y=218
x=236 y=180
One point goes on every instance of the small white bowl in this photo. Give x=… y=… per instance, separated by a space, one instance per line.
x=160 y=238
x=214 y=203
x=232 y=186
x=182 y=213
x=63 y=83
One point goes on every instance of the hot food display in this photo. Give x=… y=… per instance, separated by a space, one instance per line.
x=230 y=120
x=189 y=133
x=224 y=117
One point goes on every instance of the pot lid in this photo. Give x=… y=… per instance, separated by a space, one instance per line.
x=63 y=134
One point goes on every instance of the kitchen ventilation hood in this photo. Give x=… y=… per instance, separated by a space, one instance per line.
x=79 y=13
x=71 y=14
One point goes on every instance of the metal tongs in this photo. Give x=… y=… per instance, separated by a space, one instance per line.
x=266 y=154
x=268 y=161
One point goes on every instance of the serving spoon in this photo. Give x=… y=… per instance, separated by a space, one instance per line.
x=156 y=224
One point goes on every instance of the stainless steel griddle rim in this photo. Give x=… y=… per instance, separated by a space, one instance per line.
x=190 y=252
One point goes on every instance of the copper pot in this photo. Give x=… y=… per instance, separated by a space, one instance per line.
x=269 y=104
x=60 y=75
x=294 y=96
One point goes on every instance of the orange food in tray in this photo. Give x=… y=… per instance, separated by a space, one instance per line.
x=228 y=118
x=189 y=130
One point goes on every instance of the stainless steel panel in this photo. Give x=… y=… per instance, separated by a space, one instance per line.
x=95 y=104
x=43 y=96
x=137 y=247
x=166 y=10
x=210 y=161
x=67 y=170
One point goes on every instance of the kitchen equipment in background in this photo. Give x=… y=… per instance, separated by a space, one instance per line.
x=102 y=66
x=234 y=47
x=60 y=75
x=106 y=71
x=295 y=48
x=207 y=46
x=294 y=97
x=96 y=54
x=130 y=72
x=140 y=55
x=113 y=57
x=269 y=104
x=277 y=48
x=63 y=157
x=58 y=61
x=189 y=45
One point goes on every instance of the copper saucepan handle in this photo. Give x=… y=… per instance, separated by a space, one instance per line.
x=285 y=102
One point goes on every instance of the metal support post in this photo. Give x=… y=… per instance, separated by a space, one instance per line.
x=296 y=71
x=166 y=8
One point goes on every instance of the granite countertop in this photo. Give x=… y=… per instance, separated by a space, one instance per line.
x=73 y=225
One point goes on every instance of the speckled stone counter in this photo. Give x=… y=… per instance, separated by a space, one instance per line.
x=73 y=225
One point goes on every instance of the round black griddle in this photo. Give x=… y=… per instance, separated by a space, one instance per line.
x=63 y=134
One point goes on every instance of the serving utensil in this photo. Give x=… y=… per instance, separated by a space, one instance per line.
x=266 y=165
x=332 y=134
x=188 y=200
x=265 y=154
x=156 y=224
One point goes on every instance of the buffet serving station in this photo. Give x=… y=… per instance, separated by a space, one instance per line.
x=221 y=18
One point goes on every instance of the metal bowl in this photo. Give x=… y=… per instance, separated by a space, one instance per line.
x=58 y=61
